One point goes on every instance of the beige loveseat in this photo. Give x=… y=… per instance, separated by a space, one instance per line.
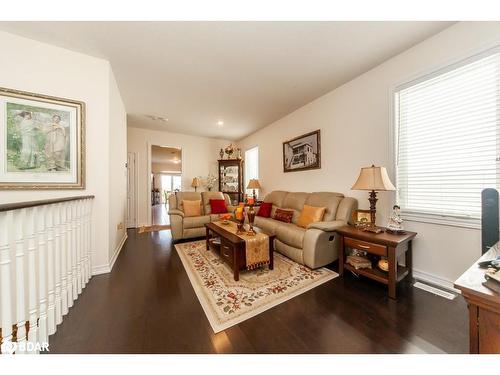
x=317 y=245
x=193 y=226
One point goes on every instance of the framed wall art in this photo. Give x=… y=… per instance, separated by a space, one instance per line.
x=41 y=141
x=302 y=153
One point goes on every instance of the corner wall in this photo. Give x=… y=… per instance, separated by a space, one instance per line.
x=37 y=67
x=356 y=121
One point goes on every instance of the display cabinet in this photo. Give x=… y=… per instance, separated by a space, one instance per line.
x=231 y=179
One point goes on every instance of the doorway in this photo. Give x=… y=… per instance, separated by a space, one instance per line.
x=166 y=178
x=131 y=191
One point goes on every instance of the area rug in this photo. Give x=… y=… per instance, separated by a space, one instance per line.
x=227 y=302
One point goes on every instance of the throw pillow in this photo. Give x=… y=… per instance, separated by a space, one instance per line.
x=218 y=206
x=283 y=215
x=310 y=214
x=265 y=209
x=192 y=208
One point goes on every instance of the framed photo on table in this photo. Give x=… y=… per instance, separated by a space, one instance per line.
x=41 y=141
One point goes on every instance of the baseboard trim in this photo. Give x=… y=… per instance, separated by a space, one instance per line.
x=434 y=280
x=99 y=270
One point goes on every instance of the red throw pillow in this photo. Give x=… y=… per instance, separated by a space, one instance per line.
x=218 y=206
x=283 y=215
x=265 y=209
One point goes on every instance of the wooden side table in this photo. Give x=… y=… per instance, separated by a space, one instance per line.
x=385 y=244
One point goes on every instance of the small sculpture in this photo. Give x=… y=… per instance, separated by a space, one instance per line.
x=230 y=150
x=395 y=221
x=221 y=153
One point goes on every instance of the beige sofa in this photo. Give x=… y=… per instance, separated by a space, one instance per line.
x=190 y=227
x=317 y=245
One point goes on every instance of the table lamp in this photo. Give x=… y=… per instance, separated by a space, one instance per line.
x=373 y=179
x=196 y=182
x=254 y=184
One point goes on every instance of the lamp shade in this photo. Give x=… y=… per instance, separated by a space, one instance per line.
x=253 y=184
x=373 y=178
x=196 y=182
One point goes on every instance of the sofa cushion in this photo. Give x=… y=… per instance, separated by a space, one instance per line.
x=310 y=214
x=196 y=221
x=283 y=215
x=326 y=199
x=265 y=209
x=191 y=208
x=295 y=202
x=186 y=195
x=276 y=198
x=290 y=234
x=267 y=224
x=206 y=196
x=218 y=206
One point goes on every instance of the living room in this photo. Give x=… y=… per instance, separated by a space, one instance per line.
x=325 y=186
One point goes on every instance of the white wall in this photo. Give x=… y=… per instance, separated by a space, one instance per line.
x=37 y=67
x=199 y=157
x=117 y=168
x=355 y=122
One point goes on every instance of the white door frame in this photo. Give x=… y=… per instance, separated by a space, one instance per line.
x=148 y=179
x=136 y=186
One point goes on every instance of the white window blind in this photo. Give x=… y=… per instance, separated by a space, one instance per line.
x=251 y=166
x=447 y=143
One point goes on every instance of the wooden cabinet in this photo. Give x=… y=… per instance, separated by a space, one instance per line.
x=231 y=179
x=484 y=308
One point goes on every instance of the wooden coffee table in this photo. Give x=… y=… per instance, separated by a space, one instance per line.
x=232 y=247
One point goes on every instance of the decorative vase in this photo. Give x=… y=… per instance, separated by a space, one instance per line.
x=221 y=153
x=251 y=218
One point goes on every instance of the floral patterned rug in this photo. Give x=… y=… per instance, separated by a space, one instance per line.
x=227 y=302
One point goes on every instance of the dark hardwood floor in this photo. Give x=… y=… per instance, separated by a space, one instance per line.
x=147 y=305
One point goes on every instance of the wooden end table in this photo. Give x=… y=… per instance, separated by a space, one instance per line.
x=385 y=244
x=232 y=247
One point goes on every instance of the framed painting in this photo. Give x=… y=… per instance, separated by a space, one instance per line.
x=41 y=141
x=302 y=153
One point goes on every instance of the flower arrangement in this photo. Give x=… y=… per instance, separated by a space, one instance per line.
x=210 y=181
x=229 y=150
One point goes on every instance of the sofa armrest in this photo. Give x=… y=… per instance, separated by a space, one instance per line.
x=327 y=226
x=176 y=212
x=230 y=209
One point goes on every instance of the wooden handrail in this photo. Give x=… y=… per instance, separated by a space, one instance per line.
x=19 y=205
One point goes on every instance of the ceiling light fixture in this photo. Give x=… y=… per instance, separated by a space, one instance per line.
x=220 y=122
x=157 y=118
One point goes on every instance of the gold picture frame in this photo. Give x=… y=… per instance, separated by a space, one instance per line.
x=362 y=218
x=42 y=141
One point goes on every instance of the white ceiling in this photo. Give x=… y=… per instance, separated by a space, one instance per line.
x=248 y=74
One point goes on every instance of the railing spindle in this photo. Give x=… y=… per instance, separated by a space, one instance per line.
x=51 y=304
x=19 y=219
x=5 y=278
x=32 y=277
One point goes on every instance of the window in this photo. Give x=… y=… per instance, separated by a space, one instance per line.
x=251 y=166
x=447 y=140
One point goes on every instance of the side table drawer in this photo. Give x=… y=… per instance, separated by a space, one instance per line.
x=366 y=246
x=226 y=252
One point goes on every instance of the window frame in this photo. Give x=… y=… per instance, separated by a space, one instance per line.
x=413 y=215
x=249 y=191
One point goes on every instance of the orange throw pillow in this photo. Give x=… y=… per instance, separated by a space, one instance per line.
x=310 y=214
x=192 y=208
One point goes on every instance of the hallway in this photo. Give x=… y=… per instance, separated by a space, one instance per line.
x=160 y=214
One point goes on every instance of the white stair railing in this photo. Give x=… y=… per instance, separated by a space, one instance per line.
x=45 y=262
